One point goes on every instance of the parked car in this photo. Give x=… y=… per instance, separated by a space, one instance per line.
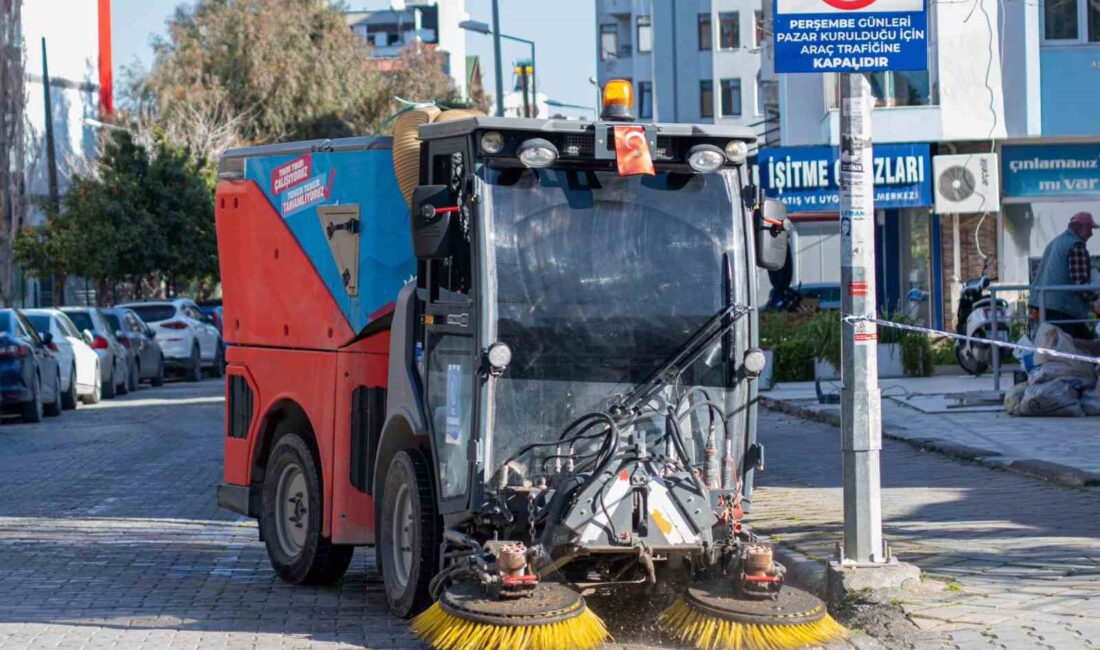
x=187 y=336
x=114 y=363
x=213 y=309
x=80 y=374
x=827 y=293
x=140 y=341
x=30 y=377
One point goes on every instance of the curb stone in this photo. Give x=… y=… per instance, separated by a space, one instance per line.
x=1063 y=475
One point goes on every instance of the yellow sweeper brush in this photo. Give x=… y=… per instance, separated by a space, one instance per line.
x=710 y=618
x=552 y=617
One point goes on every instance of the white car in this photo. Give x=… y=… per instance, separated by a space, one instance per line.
x=79 y=363
x=190 y=340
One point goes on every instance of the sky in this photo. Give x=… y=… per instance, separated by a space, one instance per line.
x=563 y=30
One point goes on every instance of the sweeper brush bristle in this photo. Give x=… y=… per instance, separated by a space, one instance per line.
x=444 y=631
x=709 y=632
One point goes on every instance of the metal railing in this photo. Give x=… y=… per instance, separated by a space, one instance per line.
x=995 y=314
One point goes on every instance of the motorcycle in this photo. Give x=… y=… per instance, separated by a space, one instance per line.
x=974 y=318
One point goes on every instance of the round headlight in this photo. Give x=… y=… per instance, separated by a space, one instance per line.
x=705 y=158
x=537 y=153
x=499 y=355
x=755 y=361
x=737 y=151
x=492 y=142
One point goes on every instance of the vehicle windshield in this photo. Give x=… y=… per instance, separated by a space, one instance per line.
x=154 y=313
x=598 y=280
x=41 y=322
x=82 y=320
x=5 y=322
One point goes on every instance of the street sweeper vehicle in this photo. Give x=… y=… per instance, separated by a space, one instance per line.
x=516 y=356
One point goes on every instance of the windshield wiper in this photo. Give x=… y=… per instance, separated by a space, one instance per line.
x=686 y=354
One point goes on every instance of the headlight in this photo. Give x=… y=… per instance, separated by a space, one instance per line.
x=705 y=158
x=499 y=355
x=537 y=153
x=755 y=361
x=492 y=142
x=737 y=151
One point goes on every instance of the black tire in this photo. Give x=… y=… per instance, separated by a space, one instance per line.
x=218 y=369
x=969 y=364
x=53 y=409
x=32 y=410
x=110 y=388
x=158 y=379
x=407 y=583
x=69 y=397
x=315 y=560
x=194 y=365
x=124 y=387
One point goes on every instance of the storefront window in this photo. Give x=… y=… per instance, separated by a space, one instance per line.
x=900 y=88
x=1060 y=20
x=916 y=271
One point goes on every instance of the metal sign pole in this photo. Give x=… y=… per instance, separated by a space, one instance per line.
x=861 y=415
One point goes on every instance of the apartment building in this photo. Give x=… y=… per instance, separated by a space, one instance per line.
x=690 y=61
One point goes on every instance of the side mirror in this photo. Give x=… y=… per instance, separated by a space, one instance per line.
x=772 y=234
x=433 y=207
x=87 y=336
x=47 y=337
x=119 y=334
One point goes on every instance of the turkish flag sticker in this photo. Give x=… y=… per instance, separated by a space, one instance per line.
x=632 y=151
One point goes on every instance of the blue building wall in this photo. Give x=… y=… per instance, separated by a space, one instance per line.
x=1071 y=104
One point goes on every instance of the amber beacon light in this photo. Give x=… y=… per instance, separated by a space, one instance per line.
x=618 y=100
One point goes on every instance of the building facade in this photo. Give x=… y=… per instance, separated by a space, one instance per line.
x=693 y=61
x=73 y=39
x=388 y=26
x=1004 y=79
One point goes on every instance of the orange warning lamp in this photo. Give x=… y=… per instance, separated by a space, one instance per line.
x=618 y=100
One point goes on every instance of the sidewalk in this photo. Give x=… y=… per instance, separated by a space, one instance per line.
x=1009 y=561
x=1062 y=450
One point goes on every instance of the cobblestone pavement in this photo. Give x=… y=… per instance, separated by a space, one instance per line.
x=110 y=537
x=1017 y=560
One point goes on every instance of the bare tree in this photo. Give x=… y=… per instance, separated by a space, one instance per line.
x=12 y=99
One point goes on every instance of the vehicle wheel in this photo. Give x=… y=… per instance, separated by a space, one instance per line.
x=968 y=363
x=69 y=397
x=158 y=379
x=218 y=369
x=194 y=367
x=32 y=410
x=124 y=386
x=291 y=519
x=97 y=392
x=109 y=387
x=409 y=534
x=133 y=379
x=53 y=409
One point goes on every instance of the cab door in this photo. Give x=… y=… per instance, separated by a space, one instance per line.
x=451 y=359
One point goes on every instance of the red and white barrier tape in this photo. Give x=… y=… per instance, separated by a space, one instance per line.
x=851 y=319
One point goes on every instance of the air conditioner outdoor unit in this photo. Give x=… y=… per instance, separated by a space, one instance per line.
x=966 y=183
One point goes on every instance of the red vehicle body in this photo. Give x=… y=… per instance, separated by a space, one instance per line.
x=294 y=359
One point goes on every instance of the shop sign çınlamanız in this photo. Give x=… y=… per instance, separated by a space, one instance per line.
x=807 y=179
x=850 y=35
x=1071 y=170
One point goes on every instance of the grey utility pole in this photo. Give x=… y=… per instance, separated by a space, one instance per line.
x=861 y=409
x=496 y=59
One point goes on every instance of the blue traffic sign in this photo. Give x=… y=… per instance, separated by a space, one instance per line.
x=850 y=35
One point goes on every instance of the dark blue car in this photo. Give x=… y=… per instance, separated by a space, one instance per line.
x=29 y=372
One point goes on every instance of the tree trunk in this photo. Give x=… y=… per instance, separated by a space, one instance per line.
x=12 y=99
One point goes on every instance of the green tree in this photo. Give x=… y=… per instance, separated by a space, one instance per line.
x=274 y=70
x=146 y=217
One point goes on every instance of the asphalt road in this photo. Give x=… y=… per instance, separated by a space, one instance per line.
x=110 y=537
